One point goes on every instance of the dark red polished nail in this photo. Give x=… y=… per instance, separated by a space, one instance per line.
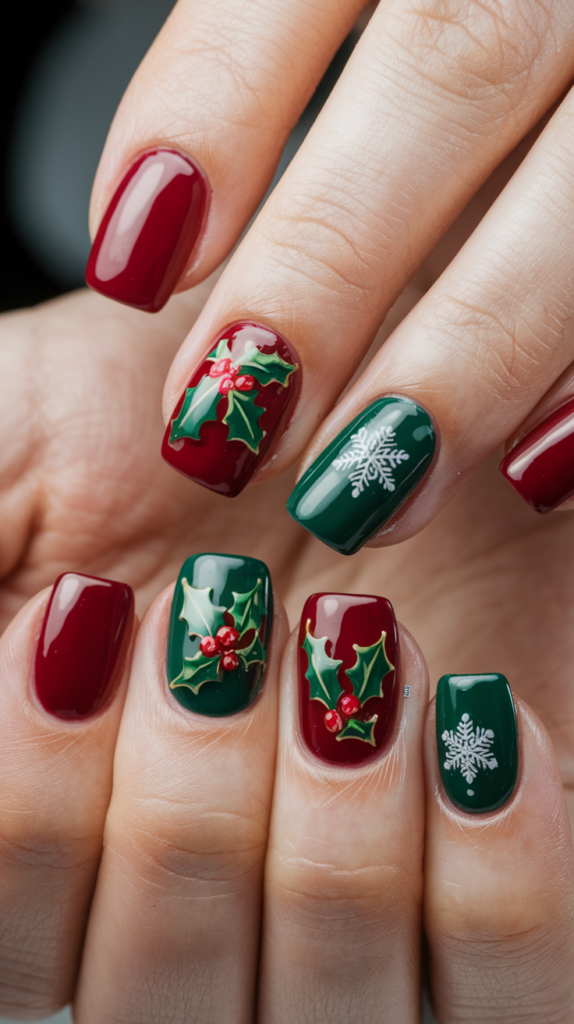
x=84 y=635
x=228 y=416
x=541 y=466
x=347 y=676
x=149 y=230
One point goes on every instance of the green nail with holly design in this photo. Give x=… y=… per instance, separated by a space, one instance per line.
x=347 y=676
x=221 y=618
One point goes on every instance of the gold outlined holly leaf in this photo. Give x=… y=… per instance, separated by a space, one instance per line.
x=199 y=406
x=369 y=670
x=242 y=418
x=202 y=616
x=254 y=653
x=196 y=671
x=322 y=672
x=267 y=367
x=356 y=730
x=247 y=608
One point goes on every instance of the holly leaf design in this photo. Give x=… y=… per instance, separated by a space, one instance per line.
x=196 y=671
x=242 y=418
x=247 y=609
x=202 y=616
x=322 y=672
x=369 y=670
x=222 y=351
x=357 y=730
x=199 y=406
x=254 y=652
x=267 y=367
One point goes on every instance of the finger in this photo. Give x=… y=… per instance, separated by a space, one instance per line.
x=355 y=215
x=61 y=662
x=478 y=352
x=198 y=135
x=498 y=884
x=343 y=874
x=174 y=929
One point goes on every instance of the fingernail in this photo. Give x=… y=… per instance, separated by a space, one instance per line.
x=149 y=230
x=365 y=474
x=221 y=618
x=541 y=466
x=84 y=634
x=477 y=740
x=227 y=418
x=347 y=676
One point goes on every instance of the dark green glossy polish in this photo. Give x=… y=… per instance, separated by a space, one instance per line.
x=221 y=618
x=477 y=740
x=365 y=474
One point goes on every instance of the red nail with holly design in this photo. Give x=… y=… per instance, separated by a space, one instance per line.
x=347 y=676
x=234 y=404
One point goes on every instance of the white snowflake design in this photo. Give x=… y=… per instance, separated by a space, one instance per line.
x=375 y=457
x=469 y=749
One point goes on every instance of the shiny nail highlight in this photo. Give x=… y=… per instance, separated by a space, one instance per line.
x=365 y=474
x=149 y=230
x=477 y=740
x=84 y=635
x=233 y=407
x=541 y=466
x=220 y=626
x=348 y=691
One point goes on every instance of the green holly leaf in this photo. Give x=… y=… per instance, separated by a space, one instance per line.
x=242 y=418
x=322 y=672
x=222 y=351
x=202 y=616
x=199 y=406
x=254 y=652
x=356 y=730
x=247 y=609
x=197 y=671
x=369 y=670
x=267 y=367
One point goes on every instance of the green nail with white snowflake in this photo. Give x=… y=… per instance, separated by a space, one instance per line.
x=221 y=618
x=365 y=474
x=477 y=740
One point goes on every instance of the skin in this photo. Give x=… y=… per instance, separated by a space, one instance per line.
x=487 y=585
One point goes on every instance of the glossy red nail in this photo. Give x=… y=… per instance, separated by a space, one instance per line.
x=84 y=634
x=541 y=466
x=348 y=691
x=228 y=416
x=149 y=230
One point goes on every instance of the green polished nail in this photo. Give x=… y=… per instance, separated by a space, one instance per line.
x=477 y=740
x=365 y=474
x=221 y=617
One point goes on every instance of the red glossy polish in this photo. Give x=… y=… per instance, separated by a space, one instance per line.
x=348 y=691
x=228 y=416
x=149 y=230
x=541 y=466
x=84 y=634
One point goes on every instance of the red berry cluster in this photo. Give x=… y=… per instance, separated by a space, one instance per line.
x=231 y=379
x=349 y=705
x=222 y=645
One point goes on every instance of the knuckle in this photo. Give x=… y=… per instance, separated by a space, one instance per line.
x=483 y=51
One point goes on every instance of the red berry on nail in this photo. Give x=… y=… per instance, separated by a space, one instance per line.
x=227 y=384
x=210 y=646
x=350 y=704
x=219 y=367
x=229 y=661
x=333 y=721
x=245 y=382
x=227 y=636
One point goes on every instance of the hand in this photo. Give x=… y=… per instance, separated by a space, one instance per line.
x=487 y=585
x=430 y=104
